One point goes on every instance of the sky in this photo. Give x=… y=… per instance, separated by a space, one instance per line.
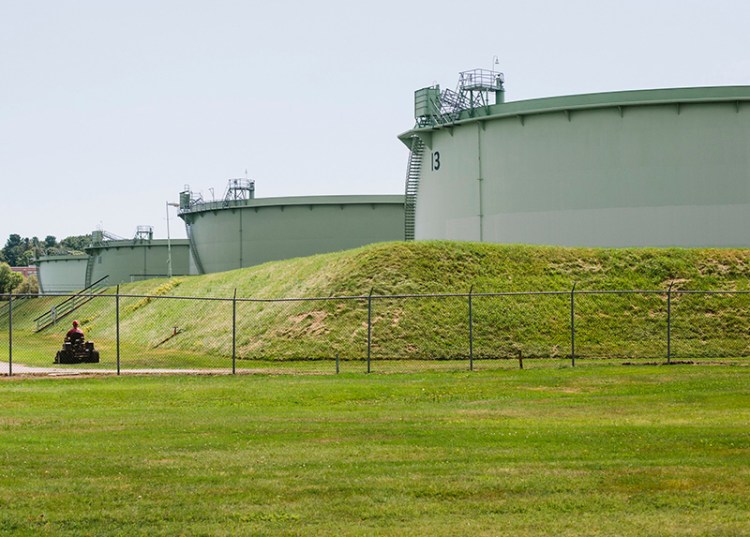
x=108 y=109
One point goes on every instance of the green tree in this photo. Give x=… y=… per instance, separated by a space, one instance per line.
x=29 y=286
x=76 y=242
x=28 y=257
x=13 y=249
x=35 y=251
x=9 y=280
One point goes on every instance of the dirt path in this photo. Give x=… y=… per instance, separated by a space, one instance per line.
x=57 y=371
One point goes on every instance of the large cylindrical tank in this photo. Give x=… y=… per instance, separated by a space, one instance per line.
x=61 y=273
x=124 y=261
x=227 y=235
x=664 y=167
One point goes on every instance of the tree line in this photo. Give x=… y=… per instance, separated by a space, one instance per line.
x=21 y=252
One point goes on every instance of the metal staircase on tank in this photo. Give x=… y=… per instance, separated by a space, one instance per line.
x=452 y=103
x=477 y=90
x=412 y=186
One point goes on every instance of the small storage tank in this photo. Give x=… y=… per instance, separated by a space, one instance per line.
x=61 y=273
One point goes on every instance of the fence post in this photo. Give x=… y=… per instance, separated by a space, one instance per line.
x=234 y=332
x=117 y=325
x=369 y=328
x=10 y=334
x=669 y=323
x=573 y=325
x=471 y=331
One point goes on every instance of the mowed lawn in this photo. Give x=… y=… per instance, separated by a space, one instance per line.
x=628 y=450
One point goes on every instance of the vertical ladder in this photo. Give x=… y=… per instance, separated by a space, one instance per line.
x=89 y=271
x=412 y=186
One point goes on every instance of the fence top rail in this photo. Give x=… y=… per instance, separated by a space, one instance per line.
x=622 y=291
x=712 y=292
x=15 y=296
x=239 y=299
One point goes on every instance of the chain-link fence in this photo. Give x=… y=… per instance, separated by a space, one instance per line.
x=370 y=333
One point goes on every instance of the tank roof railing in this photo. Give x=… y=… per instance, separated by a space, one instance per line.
x=480 y=80
x=239 y=189
x=144 y=233
x=308 y=201
x=214 y=205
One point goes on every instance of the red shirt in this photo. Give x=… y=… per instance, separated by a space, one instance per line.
x=74 y=331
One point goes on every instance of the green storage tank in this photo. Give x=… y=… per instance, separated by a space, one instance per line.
x=140 y=258
x=667 y=167
x=242 y=231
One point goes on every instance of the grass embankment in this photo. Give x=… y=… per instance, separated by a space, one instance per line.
x=584 y=452
x=606 y=325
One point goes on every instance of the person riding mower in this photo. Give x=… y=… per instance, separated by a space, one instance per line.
x=76 y=349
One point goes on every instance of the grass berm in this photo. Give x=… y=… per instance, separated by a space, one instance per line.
x=623 y=325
